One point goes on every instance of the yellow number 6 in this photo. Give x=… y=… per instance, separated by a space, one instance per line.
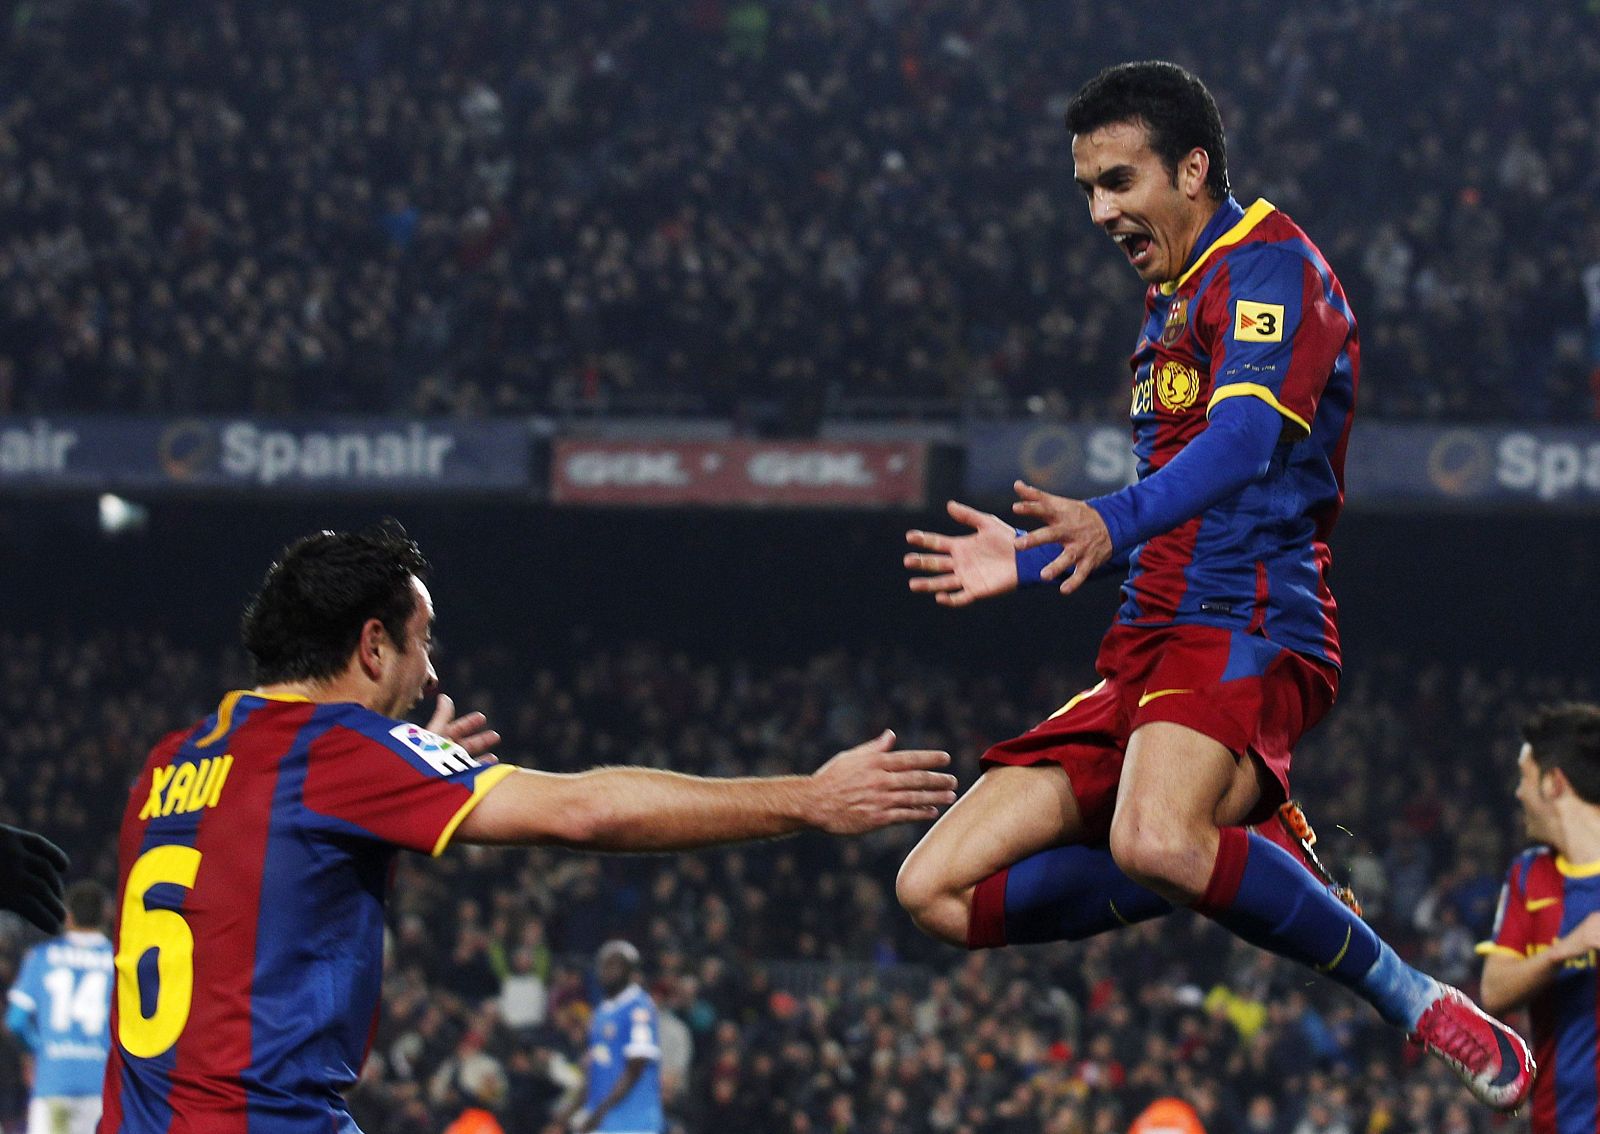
x=169 y=935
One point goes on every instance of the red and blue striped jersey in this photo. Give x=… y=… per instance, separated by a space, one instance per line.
x=254 y=857
x=1545 y=897
x=1257 y=313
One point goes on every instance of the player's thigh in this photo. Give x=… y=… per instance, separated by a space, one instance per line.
x=1011 y=812
x=1176 y=779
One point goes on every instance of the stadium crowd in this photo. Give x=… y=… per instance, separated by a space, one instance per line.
x=764 y=208
x=798 y=997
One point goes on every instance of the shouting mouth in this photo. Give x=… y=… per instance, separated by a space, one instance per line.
x=1136 y=245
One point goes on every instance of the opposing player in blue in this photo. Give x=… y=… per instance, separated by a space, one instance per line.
x=58 y=1008
x=1146 y=789
x=623 y=1064
x=1544 y=952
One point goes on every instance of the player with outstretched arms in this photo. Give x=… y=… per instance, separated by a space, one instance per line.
x=257 y=844
x=1141 y=791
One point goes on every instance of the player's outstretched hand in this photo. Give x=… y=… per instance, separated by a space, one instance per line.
x=31 y=883
x=1085 y=541
x=965 y=568
x=872 y=786
x=470 y=730
x=1583 y=940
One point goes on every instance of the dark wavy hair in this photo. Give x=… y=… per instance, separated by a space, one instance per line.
x=1172 y=104
x=1567 y=736
x=305 y=621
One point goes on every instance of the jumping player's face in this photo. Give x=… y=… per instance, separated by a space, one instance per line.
x=410 y=675
x=1133 y=198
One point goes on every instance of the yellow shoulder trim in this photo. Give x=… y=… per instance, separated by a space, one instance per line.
x=288 y=698
x=1490 y=949
x=224 y=719
x=480 y=788
x=1577 y=869
x=1255 y=390
x=1253 y=216
x=230 y=703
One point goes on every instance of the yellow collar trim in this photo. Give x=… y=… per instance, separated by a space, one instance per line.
x=224 y=720
x=1577 y=869
x=1253 y=216
x=229 y=703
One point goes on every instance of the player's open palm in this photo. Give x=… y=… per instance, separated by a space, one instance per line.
x=965 y=568
x=872 y=785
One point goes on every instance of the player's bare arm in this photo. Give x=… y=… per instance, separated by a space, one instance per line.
x=1085 y=540
x=1511 y=982
x=645 y=809
x=961 y=569
x=631 y=1074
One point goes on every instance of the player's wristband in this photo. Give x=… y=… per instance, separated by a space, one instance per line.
x=1034 y=560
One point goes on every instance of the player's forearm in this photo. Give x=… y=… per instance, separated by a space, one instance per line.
x=1511 y=982
x=639 y=810
x=630 y=1078
x=1234 y=450
x=647 y=809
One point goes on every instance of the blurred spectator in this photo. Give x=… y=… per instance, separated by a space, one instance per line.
x=1167 y=1116
x=749 y=208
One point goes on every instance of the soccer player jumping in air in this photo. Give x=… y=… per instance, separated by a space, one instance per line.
x=1141 y=790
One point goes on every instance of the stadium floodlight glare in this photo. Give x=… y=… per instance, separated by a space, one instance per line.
x=118 y=515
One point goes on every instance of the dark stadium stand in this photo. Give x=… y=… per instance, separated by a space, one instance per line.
x=756 y=210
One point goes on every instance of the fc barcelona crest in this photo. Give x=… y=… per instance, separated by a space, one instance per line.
x=1177 y=321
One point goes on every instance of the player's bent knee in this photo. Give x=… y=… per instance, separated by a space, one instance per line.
x=935 y=907
x=1166 y=859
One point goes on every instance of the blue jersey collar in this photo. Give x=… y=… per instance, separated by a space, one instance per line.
x=1228 y=214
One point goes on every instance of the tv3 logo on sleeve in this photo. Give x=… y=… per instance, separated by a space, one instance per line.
x=1258 y=322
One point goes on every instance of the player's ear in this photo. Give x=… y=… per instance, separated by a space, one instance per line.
x=372 y=647
x=1554 y=783
x=1192 y=173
